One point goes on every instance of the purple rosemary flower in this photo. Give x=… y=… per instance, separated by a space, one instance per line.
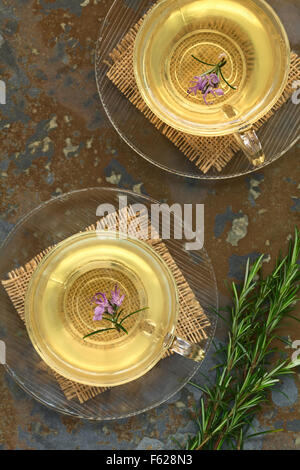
x=116 y=317
x=98 y=312
x=198 y=84
x=116 y=297
x=102 y=306
x=213 y=80
x=206 y=84
x=213 y=91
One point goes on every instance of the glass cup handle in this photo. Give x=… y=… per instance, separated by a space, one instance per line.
x=251 y=146
x=186 y=349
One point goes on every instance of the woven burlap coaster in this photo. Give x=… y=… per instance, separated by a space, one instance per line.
x=192 y=319
x=204 y=152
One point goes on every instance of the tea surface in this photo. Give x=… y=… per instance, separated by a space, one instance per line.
x=240 y=31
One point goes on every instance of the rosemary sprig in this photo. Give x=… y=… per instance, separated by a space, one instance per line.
x=245 y=376
x=216 y=68
x=116 y=321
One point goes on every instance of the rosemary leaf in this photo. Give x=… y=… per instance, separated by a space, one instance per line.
x=132 y=313
x=98 y=331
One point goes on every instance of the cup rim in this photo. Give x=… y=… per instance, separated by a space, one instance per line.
x=208 y=130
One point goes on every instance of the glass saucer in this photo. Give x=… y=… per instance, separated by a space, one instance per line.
x=277 y=135
x=50 y=223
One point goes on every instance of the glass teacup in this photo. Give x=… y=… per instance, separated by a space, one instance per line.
x=59 y=312
x=245 y=35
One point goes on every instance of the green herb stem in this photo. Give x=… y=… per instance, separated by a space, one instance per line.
x=217 y=68
x=114 y=319
x=133 y=313
x=202 y=61
x=221 y=73
x=97 y=331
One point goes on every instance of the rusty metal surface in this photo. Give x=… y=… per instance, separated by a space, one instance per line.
x=55 y=138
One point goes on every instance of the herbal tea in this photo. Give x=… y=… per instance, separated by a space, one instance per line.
x=176 y=37
x=71 y=296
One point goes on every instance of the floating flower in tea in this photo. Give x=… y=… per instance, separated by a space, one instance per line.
x=103 y=306
x=208 y=82
x=116 y=297
x=111 y=310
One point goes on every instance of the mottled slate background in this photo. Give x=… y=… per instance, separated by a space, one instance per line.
x=56 y=138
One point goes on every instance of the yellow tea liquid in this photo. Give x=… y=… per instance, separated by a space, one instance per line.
x=59 y=312
x=255 y=51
